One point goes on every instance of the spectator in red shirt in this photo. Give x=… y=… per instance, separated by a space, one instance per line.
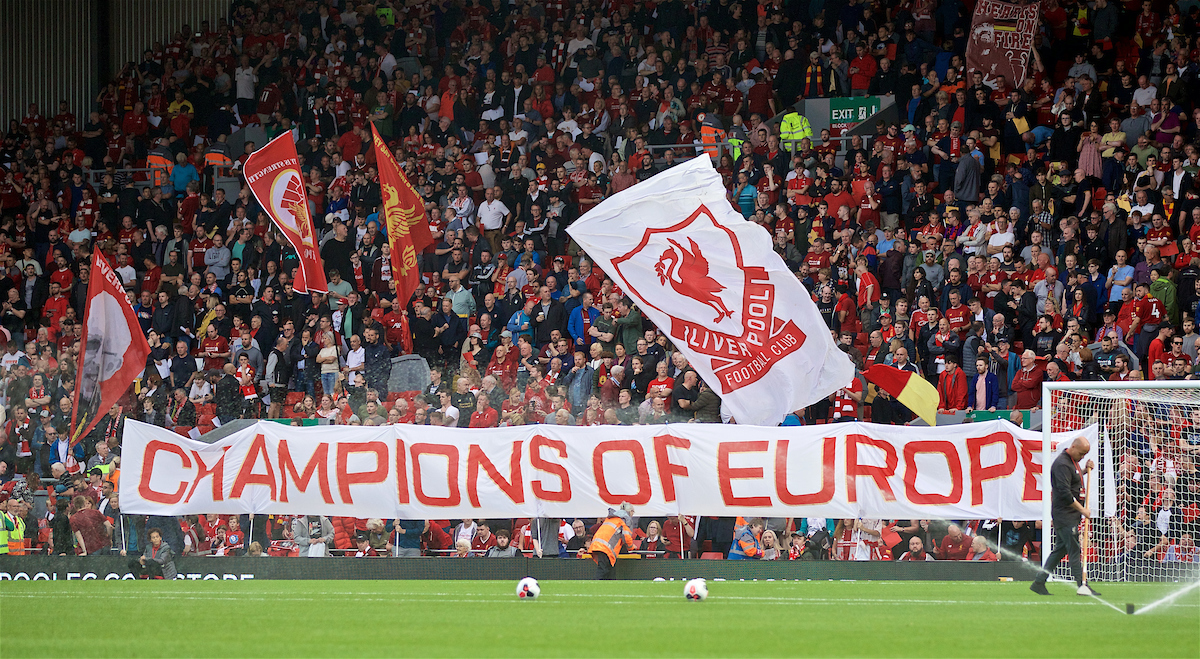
x=1027 y=383
x=952 y=387
x=868 y=295
x=980 y=550
x=661 y=386
x=484 y=416
x=955 y=546
x=484 y=539
x=958 y=314
x=91 y=529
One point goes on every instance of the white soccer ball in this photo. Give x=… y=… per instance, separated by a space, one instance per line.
x=528 y=588
x=696 y=590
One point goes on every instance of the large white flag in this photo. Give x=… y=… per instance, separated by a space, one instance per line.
x=711 y=279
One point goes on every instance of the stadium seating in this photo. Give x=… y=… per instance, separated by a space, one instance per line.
x=140 y=133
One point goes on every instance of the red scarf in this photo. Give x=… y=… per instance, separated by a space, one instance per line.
x=114 y=424
x=587 y=325
x=358 y=277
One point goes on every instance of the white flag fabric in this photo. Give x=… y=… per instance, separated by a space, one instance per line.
x=711 y=280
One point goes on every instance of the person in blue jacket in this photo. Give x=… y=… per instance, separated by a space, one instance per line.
x=983 y=393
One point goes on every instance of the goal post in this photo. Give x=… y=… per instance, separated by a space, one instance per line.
x=1145 y=491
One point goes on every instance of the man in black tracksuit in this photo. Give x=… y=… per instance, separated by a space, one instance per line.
x=1067 y=508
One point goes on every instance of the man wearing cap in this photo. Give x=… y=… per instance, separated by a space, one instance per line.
x=363 y=542
x=608 y=541
x=1107 y=357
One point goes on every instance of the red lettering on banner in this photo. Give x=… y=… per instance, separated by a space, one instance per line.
x=641 y=472
x=980 y=473
x=742 y=360
x=246 y=475
x=401 y=472
x=216 y=474
x=513 y=486
x=947 y=449
x=541 y=464
x=153 y=447
x=317 y=463
x=1032 y=491
x=878 y=474
x=726 y=474
x=667 y=470
x=828 y=480
x=451 y=452
x=347 y=478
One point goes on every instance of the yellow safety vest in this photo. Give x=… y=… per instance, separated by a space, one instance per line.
x=735 y=146
x=16 y=538
x=794 y=126
x=5 y=533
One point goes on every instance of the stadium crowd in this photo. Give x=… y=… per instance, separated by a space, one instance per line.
x=994 y=237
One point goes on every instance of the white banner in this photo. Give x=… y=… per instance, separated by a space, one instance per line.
x=972 y=471
x=712 y=281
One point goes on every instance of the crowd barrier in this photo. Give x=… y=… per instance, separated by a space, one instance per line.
x=63 y=568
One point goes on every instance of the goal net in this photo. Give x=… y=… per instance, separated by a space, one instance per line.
x=1144 y=492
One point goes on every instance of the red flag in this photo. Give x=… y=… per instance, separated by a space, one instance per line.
x=273 y=173
x=114 y=349
x=404 y=215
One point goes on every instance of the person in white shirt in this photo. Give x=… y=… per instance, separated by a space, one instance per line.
x=246 y=77
x=518 y=135
x=1145 y=92
x=493 y=215
x=13 y=356
x=867 y=536
x=356 y=362
x=463 y=205
x=1003 y=235
x=201 y=391
x=387 y=61
x=449 y=411
x=465 y=531
x=125 y=270
x=341 y=167
x=1179 y=177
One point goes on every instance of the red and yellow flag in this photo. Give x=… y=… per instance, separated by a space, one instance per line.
x=404 y=218
x=912 y=390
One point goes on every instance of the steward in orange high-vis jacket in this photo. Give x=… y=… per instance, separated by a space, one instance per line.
x=609 y=539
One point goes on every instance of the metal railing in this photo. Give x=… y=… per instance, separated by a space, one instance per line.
x=688 y=151
x=95 y=176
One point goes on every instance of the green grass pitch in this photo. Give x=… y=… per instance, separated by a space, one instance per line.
x=616 y=618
